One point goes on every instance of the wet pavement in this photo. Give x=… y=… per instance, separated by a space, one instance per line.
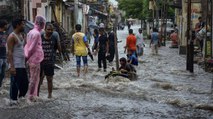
x=164 y=90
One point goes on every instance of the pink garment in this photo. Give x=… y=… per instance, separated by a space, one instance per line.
x=34 y=80
x=33 y=49
x=174 y=38
x=34 y=53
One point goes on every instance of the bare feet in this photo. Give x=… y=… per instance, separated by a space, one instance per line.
x=49 y=96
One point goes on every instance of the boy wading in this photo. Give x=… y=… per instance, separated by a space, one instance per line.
x=80 y=47
x=50 y=43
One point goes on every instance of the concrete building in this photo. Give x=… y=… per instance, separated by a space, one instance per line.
x=198 y=8
x=9 y=9
x=52 y=10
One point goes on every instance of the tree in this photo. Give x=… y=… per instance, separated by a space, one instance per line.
x=135 y=8
x=140 y=8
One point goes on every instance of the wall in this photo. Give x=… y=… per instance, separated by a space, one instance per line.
x=34 y=10
x=80 y=16
x=196 y=12
x=67 y=22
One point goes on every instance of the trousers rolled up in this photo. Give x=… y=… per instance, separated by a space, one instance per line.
x=34 y=80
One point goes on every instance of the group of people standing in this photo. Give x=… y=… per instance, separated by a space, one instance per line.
x=34 y=54
x=32 y=58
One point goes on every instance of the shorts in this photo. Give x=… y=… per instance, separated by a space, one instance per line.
x=47 y=69
x=78 y=60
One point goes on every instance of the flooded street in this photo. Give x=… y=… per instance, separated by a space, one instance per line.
x=164 y=90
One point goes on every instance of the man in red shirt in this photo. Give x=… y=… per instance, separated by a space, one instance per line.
x=131 y=42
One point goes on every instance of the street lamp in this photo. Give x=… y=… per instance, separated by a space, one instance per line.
x=151 y=7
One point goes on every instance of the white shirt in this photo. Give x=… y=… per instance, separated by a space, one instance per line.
x=140 y=40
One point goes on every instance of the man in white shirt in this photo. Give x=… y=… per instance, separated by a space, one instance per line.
x=140 y=42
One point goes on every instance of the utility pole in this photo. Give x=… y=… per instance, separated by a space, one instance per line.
x=116 y=41
x=28 y=10
x=162 y=22
x=85 y=14
x=153 y=14
x=116 y=45
x=211 y=15
x=76 y=11
x=165 y=21
x=157 y=13
x=190 y=45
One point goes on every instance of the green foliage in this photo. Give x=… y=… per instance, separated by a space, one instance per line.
x=134 y=8
x=171 y=12
x=140 y=8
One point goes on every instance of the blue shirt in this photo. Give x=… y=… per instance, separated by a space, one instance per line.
x=155 y=38
x=133 y=59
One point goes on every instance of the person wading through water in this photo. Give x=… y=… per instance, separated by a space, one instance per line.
x=50 y=44
x=34 y=55
x=102 y=48
x=19 y=79
x=80 y=49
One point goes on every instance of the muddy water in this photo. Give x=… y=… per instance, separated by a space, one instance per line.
x=164 y=90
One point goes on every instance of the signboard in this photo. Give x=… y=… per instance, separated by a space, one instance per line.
x=196 y=12
x=208 y=48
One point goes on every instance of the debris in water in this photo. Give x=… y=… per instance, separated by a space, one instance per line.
x=204 y=106
x=117 y=79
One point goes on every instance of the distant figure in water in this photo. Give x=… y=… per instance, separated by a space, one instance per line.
x=174 y=39
x=154 y=41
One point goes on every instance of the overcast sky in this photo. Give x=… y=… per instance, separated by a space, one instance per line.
x=114 y=2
